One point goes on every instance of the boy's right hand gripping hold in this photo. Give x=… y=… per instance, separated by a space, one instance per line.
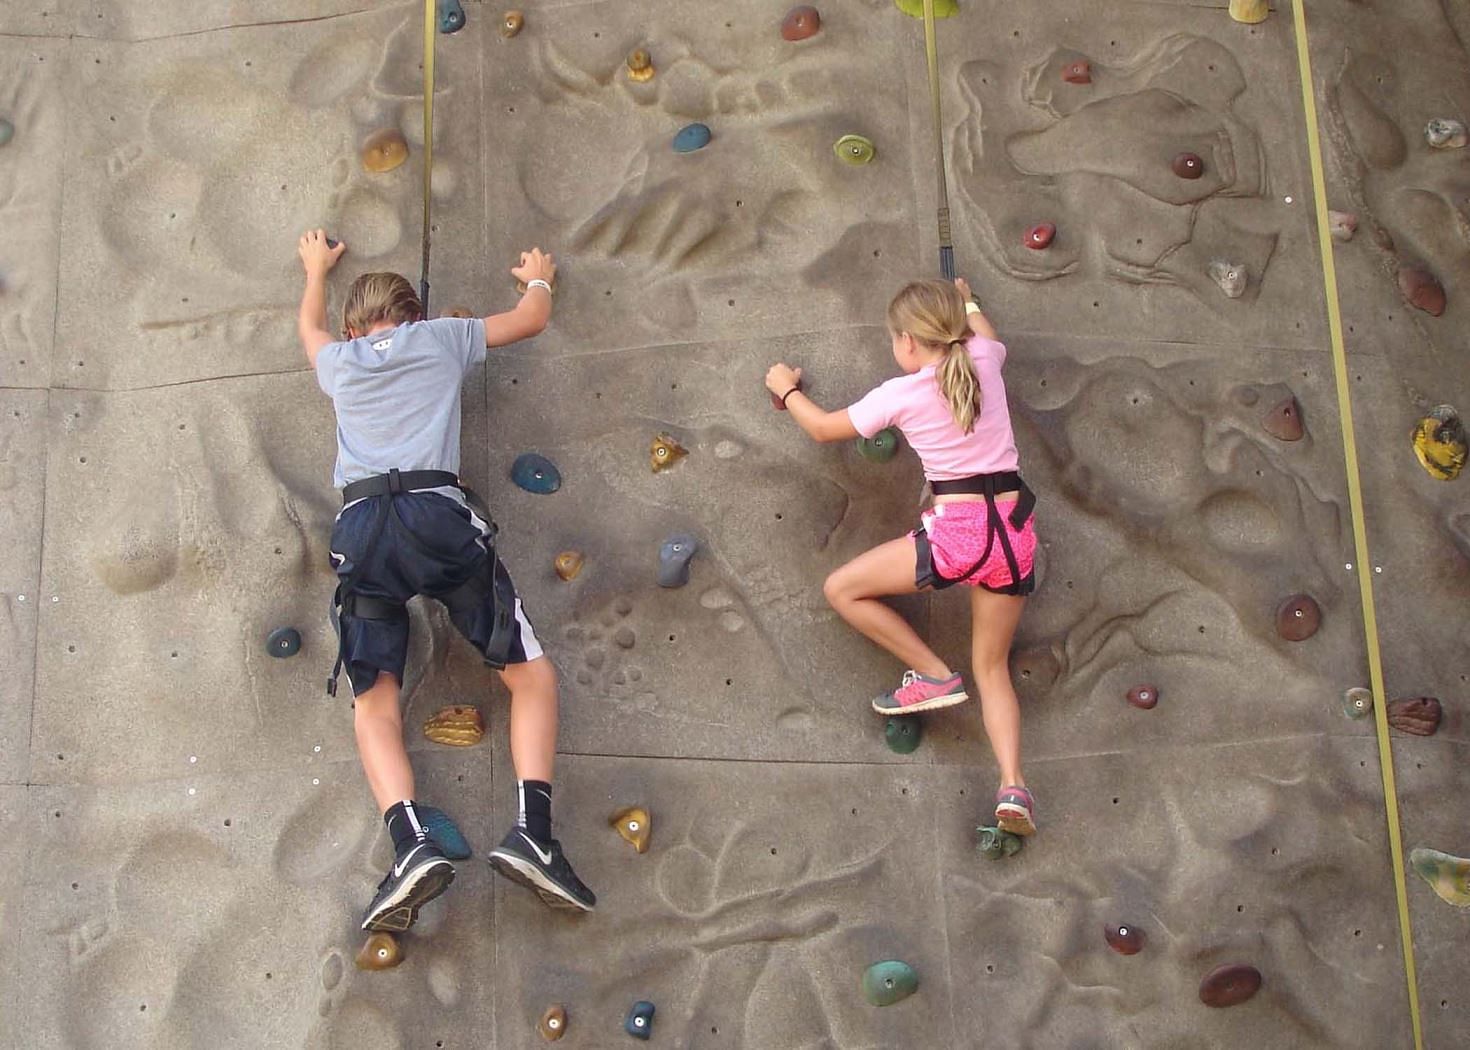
x=536 y=274
x=535 y=265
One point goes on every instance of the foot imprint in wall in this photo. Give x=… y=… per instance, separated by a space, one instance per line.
x=1101 y=167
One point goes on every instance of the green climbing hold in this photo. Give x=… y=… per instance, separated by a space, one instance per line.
x=535 y=474
x=444 y=832
x=451 y=16
x=995 y=844
x=283 y=642
x=902 y=734
x=881 y=447
x=854 y=149
x=1448 y=876
x=915 y=8
x=885 y=983
x=7 y=132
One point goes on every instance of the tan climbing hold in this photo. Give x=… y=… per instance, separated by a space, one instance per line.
x=640 y=66
x=1448 y=876
x=1439 y=443
x=462 y=312
x=381 y=951
x=568 y=564
x=553 y=1023
x=634 y=825
x=1284 y=421
x=1298 y=618
x=384 y=150
x=1342 y=225
x=1249 y=11
x=511 y=23
x=665 y=452
x=460 y=725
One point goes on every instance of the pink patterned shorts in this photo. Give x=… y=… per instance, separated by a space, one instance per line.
x=955 y=535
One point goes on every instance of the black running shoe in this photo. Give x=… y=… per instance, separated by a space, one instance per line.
x=417 y=877
x=543 y=868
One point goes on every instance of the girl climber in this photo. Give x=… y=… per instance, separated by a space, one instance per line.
x=950 y=404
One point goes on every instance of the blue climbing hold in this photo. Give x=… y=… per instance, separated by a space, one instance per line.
x=535 y=474
x=445 y=832
x=7 y=132
x=639 y=1022
x=691 y=137
x=451 y=16
x=283 y=642
x=674 y=555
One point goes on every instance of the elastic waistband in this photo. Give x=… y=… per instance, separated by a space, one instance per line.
x=396 y=481
x=980 y=484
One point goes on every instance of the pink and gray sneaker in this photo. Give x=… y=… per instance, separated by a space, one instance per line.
x=1014 y=810
x=918 y=693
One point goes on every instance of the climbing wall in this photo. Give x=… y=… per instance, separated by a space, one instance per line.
x=186 y=840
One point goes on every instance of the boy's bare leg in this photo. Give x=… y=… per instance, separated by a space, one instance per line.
x=533 y=717
x=379 y=727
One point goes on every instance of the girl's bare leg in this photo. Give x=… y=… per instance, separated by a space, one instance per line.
x=854 y=589
x=994 y=625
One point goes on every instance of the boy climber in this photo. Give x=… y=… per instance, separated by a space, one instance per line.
x=408 y=527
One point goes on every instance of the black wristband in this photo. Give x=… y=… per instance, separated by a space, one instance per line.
x=793 y=390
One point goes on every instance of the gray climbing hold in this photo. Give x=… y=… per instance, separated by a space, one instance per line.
x=888 y=982
x=283 y=642
x=1443 y=133
x=451 y=16
x=674 y=556
x=639 y=1022
x=535 y=474
x=691 y=137
x=1231 y=277
x=7 y=132
x=1357 y=702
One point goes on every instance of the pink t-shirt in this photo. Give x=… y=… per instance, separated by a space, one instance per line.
x=914 y=405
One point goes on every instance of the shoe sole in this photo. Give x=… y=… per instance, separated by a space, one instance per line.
x=932 y=704
x=1015 y=820
x=422 y=885
x=529 y=875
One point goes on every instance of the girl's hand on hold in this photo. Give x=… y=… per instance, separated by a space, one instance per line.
x=780 y=379
x=535 y=265
x=964 y=287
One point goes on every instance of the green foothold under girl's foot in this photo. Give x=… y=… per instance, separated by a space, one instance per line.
x=995 y=844
x=902 y=735
x=1448 y=876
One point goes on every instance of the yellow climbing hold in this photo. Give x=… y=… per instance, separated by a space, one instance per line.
x=384 y=150
x=1448 y=876
x=1249 y=11
x=1439 y=442
x=915 y=8
x=634 y=824
x=640 y=66
x=665 y=452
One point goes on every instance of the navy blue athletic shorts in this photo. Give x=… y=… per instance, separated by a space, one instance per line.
x=430 y=545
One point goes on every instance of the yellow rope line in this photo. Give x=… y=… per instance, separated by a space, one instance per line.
x=931 y=56
x=430 y=31
x=1355 y=500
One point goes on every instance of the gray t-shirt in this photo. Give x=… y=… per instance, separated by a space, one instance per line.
x=396 y=394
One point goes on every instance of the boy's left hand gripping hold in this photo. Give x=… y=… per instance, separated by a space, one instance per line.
x=317 y=254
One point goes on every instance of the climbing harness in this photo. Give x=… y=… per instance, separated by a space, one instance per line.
x=430 y=31
x=931 y=53
x=990 y=485
x=490 y=581
x=1355 y=501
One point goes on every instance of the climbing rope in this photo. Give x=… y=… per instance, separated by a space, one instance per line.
x=1355 y=501
x=430 y=32
x=931 y=52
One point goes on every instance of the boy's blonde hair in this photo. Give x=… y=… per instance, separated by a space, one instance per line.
x=377 y=297
x=933 y=312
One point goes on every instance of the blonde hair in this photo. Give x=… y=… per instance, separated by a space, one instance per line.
x=933 y=312
x=376 y=297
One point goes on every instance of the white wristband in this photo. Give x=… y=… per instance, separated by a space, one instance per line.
x=972 y=307
x=538 y=283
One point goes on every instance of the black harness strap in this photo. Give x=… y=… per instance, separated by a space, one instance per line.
x=989 y=485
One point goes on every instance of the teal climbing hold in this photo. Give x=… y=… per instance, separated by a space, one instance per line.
x=995 y=844
x=445 y=832
x=535 y=474
x=283 y=642
x=451 y=16
x=691 y=137
x=902 y=734
x=885 y=983
x=639 y=1022
x=7 y=132
x=881 y=447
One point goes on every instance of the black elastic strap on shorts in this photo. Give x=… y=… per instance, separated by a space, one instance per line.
x=493 y=582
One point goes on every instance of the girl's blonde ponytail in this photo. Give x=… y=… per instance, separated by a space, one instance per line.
x=933 y=312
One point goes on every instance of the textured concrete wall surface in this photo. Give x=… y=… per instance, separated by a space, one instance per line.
x=186 y=839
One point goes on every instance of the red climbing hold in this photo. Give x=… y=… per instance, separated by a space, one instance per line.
x=800 y=23
x=1188 y=166
x=1041 y=235
x=1284 y=421
x=1124 y=939
x=1229 y=985
x=1079 y=72
x=1144 y=697
x=1298 y=618
x=1422 y=289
